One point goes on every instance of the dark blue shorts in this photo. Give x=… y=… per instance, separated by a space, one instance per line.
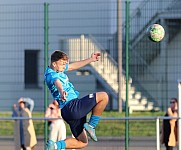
x=75 y=112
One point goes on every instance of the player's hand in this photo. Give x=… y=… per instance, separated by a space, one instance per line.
x=63 y=95
x=96 y=56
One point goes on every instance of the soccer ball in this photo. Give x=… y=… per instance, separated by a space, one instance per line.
x=156 y=32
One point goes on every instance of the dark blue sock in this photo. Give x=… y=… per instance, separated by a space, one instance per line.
x=94 y=120
x=61 y=145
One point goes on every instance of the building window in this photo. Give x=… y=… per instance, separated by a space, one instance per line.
x=31 y=68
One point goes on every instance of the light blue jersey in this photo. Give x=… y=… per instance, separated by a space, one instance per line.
x=51 y=76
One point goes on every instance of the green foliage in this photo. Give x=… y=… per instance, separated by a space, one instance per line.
x=105 y=127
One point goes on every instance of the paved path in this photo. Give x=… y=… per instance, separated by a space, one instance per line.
x=103 y=144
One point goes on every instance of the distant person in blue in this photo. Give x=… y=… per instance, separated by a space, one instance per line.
x=73 y=109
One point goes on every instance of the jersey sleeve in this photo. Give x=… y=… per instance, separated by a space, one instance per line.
x=54 y=76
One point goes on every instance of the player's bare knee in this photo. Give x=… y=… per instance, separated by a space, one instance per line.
x=106 y=97
x=102 y=96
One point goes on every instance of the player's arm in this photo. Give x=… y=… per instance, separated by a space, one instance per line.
x=58 y=84
x=78 y=64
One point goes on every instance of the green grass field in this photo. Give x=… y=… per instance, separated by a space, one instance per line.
x=112 y=128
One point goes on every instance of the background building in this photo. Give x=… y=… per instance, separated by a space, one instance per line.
x=80 y=28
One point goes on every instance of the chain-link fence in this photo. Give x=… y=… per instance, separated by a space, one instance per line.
x=110 y=132
x=80 y=28
x=113 y=27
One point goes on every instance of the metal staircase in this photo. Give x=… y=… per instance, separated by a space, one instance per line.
x=142 y=51
x=106 y=71
x=167 y=10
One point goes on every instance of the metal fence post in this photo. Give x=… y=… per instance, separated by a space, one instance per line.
x=158 y=133
x=179 y=114
x=127 y=77
x=45 y=65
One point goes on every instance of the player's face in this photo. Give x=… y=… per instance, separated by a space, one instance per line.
x=60 y=65
x=173 y=104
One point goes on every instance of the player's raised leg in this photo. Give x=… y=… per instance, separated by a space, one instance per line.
x=102 y=101
x=71 y=143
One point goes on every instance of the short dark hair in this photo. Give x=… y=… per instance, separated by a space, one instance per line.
x=57 y=55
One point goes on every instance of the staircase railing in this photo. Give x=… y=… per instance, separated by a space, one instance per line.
x=138 y=23
x=107 y=68
x=148 y=9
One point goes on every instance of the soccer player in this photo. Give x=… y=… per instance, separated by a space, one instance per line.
x=73 y=109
